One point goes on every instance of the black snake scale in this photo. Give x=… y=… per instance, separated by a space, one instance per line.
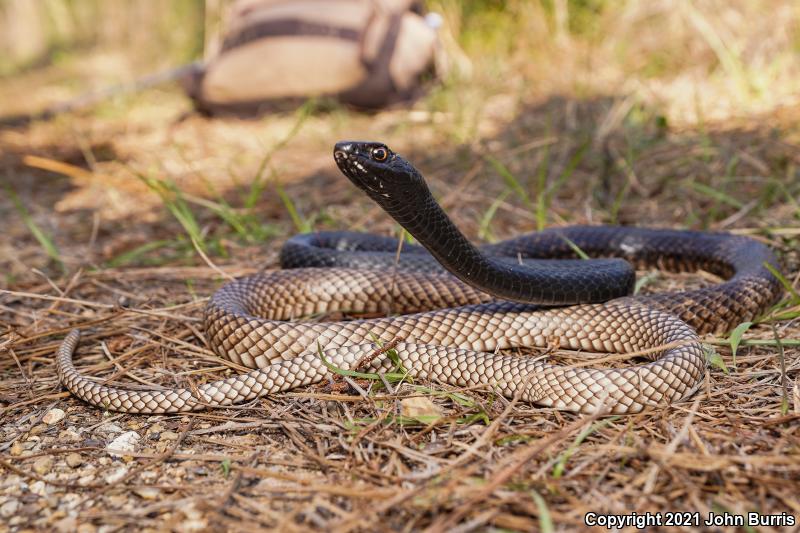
x=449 y=330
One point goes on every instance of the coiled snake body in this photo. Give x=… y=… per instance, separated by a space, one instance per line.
x=247 y=321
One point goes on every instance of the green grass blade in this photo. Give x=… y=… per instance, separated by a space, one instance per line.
x=176 y=204
x=619 y=199
x=714 y=359
x=545 y=520
x=257 y=188
x=785 y=282
x=460 y=399
x=260 y=180
x=391 y=377
x=511 y=181
x=391 y=353
x=758 y=342
x=133 y=255
x=44 y=240
x=300 y=222
x=558 y=468
x=569 y=169
x=222 y=209
x=644 y=280
x=784 y=377
x=541 y=191
x=575 y=248
x=714 y=194
x=736 y=338
x=225 y=467
x=484 y=232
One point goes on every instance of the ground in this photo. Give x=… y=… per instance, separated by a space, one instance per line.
x=123 y=220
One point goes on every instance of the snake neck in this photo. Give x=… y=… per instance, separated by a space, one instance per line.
x=503 y=278
x=428 y=223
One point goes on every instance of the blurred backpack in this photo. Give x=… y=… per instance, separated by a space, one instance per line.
x=366 y=53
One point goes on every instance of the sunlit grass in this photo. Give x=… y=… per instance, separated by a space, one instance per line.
x=44 y=240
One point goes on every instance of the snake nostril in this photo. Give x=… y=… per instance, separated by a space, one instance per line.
x=339 y=154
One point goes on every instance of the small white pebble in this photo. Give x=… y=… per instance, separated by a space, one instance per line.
x=69 y=435
x=124 y=444
x=66 y=524
x=39 y=488
x=54 y=416
x=158 y=427
x=9 y=508
x=419 y=406
x=16 y=448
x=116 y=475
x=194 y=519
x=11 y=484
x=74 y=460
x=147 y=493
x=168 y=435
x=109 y=429
x=43 y=465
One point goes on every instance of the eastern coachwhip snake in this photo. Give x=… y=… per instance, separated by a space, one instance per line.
x=247 y=321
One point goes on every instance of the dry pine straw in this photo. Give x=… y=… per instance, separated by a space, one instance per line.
x=335 y=458
x=332 y=458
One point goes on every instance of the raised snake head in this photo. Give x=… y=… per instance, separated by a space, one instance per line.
x=384 y=175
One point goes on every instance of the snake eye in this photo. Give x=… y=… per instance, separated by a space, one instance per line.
x=380 y=154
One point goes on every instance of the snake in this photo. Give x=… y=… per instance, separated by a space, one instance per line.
x=457 y=314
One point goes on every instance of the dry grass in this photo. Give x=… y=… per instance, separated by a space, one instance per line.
x=590 y=131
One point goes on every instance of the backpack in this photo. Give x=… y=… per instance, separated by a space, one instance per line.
x=366 y=53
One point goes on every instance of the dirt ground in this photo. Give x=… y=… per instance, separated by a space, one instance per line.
x=124 y=199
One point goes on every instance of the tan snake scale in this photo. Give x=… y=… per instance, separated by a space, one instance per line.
x=449 y=332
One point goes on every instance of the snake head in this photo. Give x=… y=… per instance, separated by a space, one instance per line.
x=377 y=170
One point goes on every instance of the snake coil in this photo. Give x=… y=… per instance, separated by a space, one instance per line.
x=451 y=325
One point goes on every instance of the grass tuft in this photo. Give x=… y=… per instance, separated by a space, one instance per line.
x=484 y=228
x=176 y=203
x=41 y=237
x=561 y=462
x=511 y=181
x=545 y=519
x=794 y=295
x=301 y=223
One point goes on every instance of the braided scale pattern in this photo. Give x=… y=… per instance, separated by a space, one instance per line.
x=748 y=290
x=611 y=328
x=247 y=321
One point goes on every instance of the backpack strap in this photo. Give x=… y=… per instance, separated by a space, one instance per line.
x=288 y=27
x=378 y=83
